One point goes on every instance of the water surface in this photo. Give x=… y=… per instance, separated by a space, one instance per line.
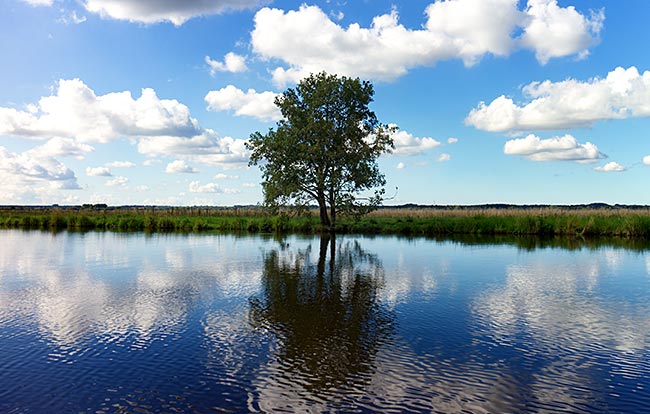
x=116 y=323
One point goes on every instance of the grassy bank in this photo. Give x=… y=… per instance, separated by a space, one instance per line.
x=153 y=221
x=547 y=221
x=551 y=221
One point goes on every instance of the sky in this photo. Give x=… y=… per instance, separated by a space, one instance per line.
x=496 y=101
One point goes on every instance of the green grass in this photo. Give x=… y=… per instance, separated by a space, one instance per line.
x=517 y=222
x=156 y=222
x=566 y=225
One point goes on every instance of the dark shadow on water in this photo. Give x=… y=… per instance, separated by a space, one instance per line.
x=325 y=311
x=524 y=242
x=531 y=243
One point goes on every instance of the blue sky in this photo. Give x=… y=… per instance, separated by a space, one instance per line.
x=497 y=101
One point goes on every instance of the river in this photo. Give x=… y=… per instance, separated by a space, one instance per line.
x=115 y=323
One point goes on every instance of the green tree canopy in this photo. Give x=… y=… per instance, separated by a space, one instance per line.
x=325 y=148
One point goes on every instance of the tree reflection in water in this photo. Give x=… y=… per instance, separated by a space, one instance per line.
x=326 y=315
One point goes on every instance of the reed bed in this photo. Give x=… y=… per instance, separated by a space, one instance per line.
x=387 y=212
x=542 y=221
x=515 y=221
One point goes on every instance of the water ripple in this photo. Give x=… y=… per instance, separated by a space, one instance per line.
x=224 y=324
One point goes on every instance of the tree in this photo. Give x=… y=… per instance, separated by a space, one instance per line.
x=325 y=148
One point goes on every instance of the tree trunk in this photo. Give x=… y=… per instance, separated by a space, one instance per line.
x=324 y=218
x=332 y=209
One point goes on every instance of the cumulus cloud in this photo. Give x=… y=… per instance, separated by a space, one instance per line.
x=179 y=167
x=117 y=182
x=554 y=31
x=120 y=164
x=63 y=147
x=472 y=28
x=259 y=105
x=75 y=111
x=222 y=176
x=206 y=148
x=646 y=160
x=232 y=63
x=624 y=93
x=35 y=175
x=196 y=187
x=452 y=140
x=31 y=166
x=407 y=144
x=74 y=114
x=307 y=40
x=564 y=148
x=154 y=11
x=400 y=166
x=610 y=167
x=443 y=157
x=98 y=172
x=249 y=185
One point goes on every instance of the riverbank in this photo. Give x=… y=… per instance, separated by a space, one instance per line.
x=542 y=221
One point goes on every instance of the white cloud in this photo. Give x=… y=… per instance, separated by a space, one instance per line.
x=646 y=160
x=75 y=111
x=77 y=19
x=34 y=176
x=553 y=31
x=338 y=16
x=117 y=181
x=624 y=93
x=400 y=166
x=38 y=163
x=452 y=140
x=610 y=167
x=251 y=103
x=154 y=11
x=564 y=148
x=249 y=185
x=75 y=114
x=63 y=147
x=232 y=63
x=150 y=162
x=72 y=18
x=472 y=28
x=307 y=40
x=98 y=172
x=443 y=157
x=179 y=167
x=196 y=187
x=206 y=148
x=407 y=144
x=222 y=176
x=39 y=2
x=120 y=164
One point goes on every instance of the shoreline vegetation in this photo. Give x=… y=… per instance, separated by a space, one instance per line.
x=593 y=220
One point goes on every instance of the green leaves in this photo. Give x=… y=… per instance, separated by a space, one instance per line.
x=325 y=149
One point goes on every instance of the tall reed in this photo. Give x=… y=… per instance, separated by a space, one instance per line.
x=545 y=221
